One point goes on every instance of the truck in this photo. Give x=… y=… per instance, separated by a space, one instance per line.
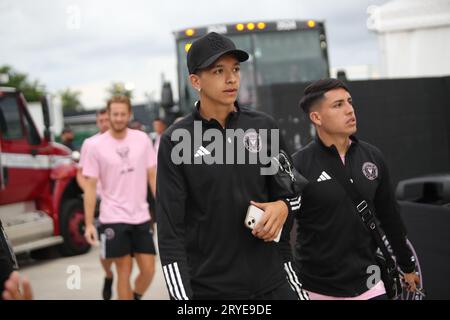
x=40 y=201
x=284 y=51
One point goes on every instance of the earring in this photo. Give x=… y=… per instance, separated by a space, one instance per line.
x=199 y=89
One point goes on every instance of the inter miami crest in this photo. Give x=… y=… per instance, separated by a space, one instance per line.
x=252 y=142
x=109 y=233
x=370 y=171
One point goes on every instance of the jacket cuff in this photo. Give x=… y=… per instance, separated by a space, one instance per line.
x=293 y=204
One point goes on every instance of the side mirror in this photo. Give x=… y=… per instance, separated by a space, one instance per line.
x=167 y=96
x=46 y=116
x=76 y=155
x=3 y=127
x=2 y=130
x=2 y=175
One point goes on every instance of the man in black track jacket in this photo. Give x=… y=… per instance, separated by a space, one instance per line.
x=205 y=183
x=334 y=249
x=7 y=259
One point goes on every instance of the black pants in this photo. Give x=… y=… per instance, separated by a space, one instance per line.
x=6 y=266
x=283 y=292
x=382 y=297
x=6 y=260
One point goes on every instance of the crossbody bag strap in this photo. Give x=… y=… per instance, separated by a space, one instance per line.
x=362 y=206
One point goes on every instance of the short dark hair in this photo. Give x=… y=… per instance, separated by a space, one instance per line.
x=66 y=130
x=316 y=91
x=101 y=111
x=161 y=120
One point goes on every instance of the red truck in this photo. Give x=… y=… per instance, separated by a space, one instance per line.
x=40 y=202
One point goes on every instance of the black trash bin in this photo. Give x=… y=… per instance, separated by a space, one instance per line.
x=431 y=189
x=425 y=208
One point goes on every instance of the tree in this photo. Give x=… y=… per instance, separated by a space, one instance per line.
x=119 y=89
x=70 y=100
x=31 y=89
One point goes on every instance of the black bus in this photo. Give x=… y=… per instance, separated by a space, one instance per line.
x=284 y=51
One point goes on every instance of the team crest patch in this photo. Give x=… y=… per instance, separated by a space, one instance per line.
x=370 y=171
x=109 y=233
x=253 y=142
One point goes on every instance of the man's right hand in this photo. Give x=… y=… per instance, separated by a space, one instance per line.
x=412 y=280
x=90 y=233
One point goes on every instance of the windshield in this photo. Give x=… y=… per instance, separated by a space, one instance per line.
x=289 y=57
x=11 y=124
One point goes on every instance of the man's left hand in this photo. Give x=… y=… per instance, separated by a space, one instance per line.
x=17 y=289
x=275 y=215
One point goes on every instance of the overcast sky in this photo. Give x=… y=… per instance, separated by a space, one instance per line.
x=132 y=41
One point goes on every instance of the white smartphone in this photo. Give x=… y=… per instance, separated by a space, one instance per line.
x=254 y=214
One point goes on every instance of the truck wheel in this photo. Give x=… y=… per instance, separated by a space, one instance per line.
x=72 y=228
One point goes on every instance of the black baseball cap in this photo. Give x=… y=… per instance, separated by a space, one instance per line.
x=207 y=49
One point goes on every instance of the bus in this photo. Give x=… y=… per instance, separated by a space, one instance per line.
x=286 y=51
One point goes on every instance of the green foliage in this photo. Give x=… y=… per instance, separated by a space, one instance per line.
x=31 y=89
x=118 y=89
x=70 y=100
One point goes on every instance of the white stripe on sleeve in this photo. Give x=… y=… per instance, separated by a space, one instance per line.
x=169 y=282
x=180 y=282
x=293 y=281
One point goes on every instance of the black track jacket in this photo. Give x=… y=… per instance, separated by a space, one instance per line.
x=206 y=251
x=334 y=247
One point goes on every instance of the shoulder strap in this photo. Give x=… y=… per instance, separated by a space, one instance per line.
x=362 y=206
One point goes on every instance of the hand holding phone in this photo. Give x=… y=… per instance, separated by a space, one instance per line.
x=254 y=215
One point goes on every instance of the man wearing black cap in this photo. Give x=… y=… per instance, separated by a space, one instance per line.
x=206 y=251
x=335 y=250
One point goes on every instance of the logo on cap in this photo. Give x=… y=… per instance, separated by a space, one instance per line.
x=216 y=42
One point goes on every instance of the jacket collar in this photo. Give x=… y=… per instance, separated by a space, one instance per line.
x=332 y=148
x=213 y=122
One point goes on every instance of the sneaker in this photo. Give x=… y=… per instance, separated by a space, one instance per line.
x=107 y=288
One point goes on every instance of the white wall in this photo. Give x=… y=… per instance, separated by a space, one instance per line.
x=415 y=53
x=357 y=72
x=413 y=36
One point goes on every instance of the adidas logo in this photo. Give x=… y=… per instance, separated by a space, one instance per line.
x=202 y=152
x=324 y=177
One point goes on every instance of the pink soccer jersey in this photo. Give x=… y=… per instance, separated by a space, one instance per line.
x=83 y=154
x=121 y=167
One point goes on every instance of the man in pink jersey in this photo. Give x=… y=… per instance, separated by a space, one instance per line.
x=102 y=122
x=123 y=161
